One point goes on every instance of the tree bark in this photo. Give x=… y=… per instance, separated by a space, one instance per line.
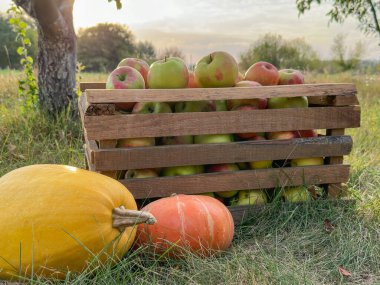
x=56 y=59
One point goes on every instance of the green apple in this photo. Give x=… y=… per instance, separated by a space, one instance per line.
x=151 y=107
x=206 y=139
x=307 y=161
x=177 y=140
x=135 y=142
x=296 y=194
x=251 y=197
x=261 y=164
x=260 y=103
x=218 y=106
x=218 y=69
x=168 y=73
x=291 y=102
x=183 y=170
x=140 y=173
x=210 y=194
x=191 y=106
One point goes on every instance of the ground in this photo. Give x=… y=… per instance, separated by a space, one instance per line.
x=286 y=244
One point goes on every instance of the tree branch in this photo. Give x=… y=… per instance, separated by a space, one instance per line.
x=49 y=17
x=373 y=10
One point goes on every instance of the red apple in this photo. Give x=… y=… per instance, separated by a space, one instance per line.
x=290 y=76
x=263 y=72
x=281 y=135
x=135 y=142
x=259 y=103
x=138 y=64
x=218 y=69
x=125 y=77
x=224 y=168
x=305 y=133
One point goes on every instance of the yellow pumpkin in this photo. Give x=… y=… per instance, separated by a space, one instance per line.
x=56 y=218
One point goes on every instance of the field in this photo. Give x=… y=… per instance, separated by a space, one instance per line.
x=286 y=244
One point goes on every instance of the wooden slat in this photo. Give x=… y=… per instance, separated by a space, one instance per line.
x=92 y=85
x=345 y=100
x=335 y=190
x=175 y=155
x=106 y=144
x=178 y=124
x=196 y=94
x=240 y=180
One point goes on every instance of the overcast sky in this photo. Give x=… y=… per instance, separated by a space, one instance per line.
x=199 y=27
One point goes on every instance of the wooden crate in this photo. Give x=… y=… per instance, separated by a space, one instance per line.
x=333 y=107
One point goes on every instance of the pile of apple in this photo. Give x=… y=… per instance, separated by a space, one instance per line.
x=216 y=70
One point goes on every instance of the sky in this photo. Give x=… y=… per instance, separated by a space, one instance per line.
x=200 y=27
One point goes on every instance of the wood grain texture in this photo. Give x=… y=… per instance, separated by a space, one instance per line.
x=95 y=96
x=175 y=155
x=108 y=144
x=335 y=191
x=178 y=124
x=83 y=86
x=240 y=180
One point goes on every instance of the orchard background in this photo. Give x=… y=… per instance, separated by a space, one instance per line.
x=285 y=244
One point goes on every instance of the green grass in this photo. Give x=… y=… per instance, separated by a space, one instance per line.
x=286 y=244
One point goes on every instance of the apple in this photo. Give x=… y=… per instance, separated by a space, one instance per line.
x=151 y=107
x=307 y=161
x=135 y=142
x=182 y=170
x=290 y=76
x=140 y=173
x=168 y=73
x=206 y=139
x=257 y=102
x=138 y=64
x=261 y=164
x=240 y=77
x=251 y=197
x=218 y=69
x=125 y=77
x=177 y=140
x=263 y=72
x=224 y=168
x=285 y=135
x=217 y=106
x=296 y=194
x=192 y=83
x=291 y=102
x=191 y=106
x=306 y=133
x=243 y=165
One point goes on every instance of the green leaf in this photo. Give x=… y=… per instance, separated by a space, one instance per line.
x=29 y=59
x=23 y=25
x=26 y=41
x=20 y=50
x=11 y=21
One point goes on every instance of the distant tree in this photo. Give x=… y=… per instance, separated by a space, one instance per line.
x=295 y=53
x=346 y=59
x=172 y=51
x=146 y=51
x=100 y=48
x=9 y=58
x=365 y=11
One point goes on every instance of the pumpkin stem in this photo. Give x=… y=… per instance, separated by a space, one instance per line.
x=123 y=218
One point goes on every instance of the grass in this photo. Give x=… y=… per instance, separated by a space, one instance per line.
x=286 y=244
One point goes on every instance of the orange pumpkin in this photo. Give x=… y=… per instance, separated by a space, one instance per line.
x=199 y=224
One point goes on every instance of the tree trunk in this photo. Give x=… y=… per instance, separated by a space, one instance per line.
x=56 y=70
x=56 y=59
